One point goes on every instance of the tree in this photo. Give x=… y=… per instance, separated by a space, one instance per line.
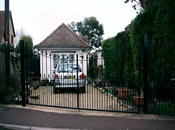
x=91 y=28
x=157 y=22
x=117 y=59
x=19 y=34
x=139 y=3
x=28 y=46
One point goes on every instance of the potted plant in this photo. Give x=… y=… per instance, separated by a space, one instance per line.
x=137 y=98
x=123 y=93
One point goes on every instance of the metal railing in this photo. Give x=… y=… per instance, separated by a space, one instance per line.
x=9 y=83
x=98 y=89
x=73 y=86
x=101 y=92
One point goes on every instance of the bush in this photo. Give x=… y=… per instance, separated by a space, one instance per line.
x=156 y=21
x=117 y=59
x=125 y=52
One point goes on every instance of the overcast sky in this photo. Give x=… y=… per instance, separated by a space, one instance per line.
x=39 y=18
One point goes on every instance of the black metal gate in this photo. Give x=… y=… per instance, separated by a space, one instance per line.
x=84 y=82
x=72 y=81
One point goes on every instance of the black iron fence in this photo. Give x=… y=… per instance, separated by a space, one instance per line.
x=104 y=87
x=160 y=77
x=148 y=67
x=75 y=82
x=90 y=82
x=2 y=73
x=9 y=84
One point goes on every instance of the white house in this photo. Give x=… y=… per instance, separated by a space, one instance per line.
x=62 y=46
x=98 y=53
x=100 y=59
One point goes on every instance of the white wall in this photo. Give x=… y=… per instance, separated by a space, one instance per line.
x=100 y=60
x=82 y=61
x=46 y=65
x=47 y=62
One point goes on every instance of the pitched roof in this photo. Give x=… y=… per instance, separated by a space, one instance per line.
x=2 y=23
x=63 y=37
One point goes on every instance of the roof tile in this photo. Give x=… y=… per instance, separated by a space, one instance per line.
x=63 y=37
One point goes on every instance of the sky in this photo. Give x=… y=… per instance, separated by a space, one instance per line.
x=39 y=18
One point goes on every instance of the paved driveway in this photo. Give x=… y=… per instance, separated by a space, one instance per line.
x=93 y=98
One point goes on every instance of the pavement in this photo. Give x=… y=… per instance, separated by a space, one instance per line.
x=32 y=117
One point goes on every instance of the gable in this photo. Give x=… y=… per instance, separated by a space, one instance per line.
x=63 y=37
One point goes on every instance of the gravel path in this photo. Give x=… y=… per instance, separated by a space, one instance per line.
x=93 y=98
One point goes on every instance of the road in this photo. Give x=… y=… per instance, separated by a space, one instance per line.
x=35 y=118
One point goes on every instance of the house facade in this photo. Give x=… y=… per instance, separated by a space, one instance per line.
x=62 y=46
x=98 y=53
x=2 y=28
x=100 y=59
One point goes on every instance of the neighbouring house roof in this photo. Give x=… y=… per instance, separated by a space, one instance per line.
x=95 y=49
x=2 y=24
x=63 y=37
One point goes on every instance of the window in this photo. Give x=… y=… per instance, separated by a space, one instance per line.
x=72 y=68
x=71 y=58
x=56 y=59
x=64 y=58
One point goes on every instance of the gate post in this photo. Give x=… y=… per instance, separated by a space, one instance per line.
x=7 y=44
x=139 y=89
x=22 y=72
x=77 y=83
x=145 y=74
x=26 y=72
